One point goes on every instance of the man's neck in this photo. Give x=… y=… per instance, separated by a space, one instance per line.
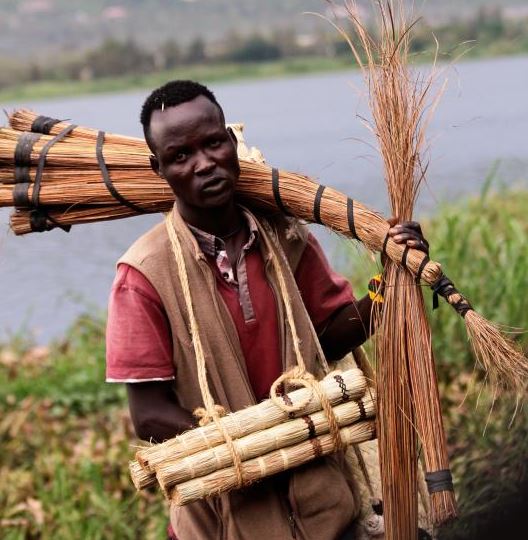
x=220 y=221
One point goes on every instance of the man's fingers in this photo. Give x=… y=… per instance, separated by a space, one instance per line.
x=405 y=226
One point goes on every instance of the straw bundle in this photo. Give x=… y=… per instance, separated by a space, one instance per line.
x=259 y=417
x=408 y=391
x=280 y=460
x=176 y=471
x=73 y=192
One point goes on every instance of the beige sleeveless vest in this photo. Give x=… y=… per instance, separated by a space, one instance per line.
x=320 y=494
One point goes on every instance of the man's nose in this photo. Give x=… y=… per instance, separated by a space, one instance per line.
x=204 y=163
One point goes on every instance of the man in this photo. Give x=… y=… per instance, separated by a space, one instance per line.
x=240 y=314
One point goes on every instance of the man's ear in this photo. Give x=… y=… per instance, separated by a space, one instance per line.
x=154 y=165
x=233 y=136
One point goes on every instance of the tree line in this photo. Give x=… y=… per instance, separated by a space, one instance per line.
x=114 y=58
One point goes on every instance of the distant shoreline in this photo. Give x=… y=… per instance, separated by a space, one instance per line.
x=205 y=73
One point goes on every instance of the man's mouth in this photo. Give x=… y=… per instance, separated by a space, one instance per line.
x=217 y=184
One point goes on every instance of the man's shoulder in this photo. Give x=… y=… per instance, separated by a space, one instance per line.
x=151 y=245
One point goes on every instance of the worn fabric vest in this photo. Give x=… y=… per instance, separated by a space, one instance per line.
x=314 y=502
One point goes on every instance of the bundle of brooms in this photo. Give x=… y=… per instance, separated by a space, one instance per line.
x=57 y=174
x=266 y=439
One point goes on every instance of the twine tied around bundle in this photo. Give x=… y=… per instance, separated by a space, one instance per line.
x=210 y=411
x=298 y=375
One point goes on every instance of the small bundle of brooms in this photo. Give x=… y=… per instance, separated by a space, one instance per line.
x=266 y=438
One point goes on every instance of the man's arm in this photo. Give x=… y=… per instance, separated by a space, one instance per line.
x=155 y=412
x=348 y=329
x=351 y=326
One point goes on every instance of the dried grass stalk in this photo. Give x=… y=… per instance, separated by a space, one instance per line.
x=250 y=420
x=269 y=464
x=176 y=471
x=72 y=192
x=408 y=391
x=141 y=478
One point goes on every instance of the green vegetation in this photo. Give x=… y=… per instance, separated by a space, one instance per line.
x=66 y=437
x=66 y=440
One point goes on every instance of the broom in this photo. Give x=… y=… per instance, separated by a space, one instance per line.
x=407 y=386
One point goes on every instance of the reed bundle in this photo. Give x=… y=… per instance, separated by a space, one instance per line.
x=407 y=387
x=250 y=420
x=277 y=461
x=176 y=471
x=73 y=192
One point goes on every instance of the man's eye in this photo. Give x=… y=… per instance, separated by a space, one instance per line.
x=179 y=157
x=215 y=143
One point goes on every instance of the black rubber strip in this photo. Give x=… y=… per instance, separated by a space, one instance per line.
x=21 y=195
x=439 y=481
x=43 y=124
x=317 y=204
x=404 y=257
x=384 y=248
x=106 y=176
x=276 y=191
x=22 y=157
x=40 y=221
x=42 y=161
x=423 y=264
x=24 y=146
x=350 y=217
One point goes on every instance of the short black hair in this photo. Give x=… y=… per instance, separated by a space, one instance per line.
x=171 y=94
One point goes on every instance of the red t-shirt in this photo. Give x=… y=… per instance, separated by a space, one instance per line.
x=138 y=339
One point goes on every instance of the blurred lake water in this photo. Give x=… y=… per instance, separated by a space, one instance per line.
x=311 y=124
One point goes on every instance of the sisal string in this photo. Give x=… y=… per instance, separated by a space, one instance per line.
x=299 y=375
x=212 y=411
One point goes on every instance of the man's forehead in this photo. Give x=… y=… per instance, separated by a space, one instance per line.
x=198 y=111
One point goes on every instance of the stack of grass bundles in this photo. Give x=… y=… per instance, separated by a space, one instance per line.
x=79 y=176
x=266 y=438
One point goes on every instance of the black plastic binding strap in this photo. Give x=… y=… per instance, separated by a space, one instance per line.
x=423 y=264
x=350 y=218
x=43 y=124
x=439 y=481
x=276 y=191
x=317 y=204
x=22 y=157
x=444 y=287
x=40 y=221
x=404 y=257
x=42 y=161
x=384 y=248
x=106 y=176
x=21 y=195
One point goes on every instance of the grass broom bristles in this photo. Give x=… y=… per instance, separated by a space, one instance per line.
x=254 y=469
x=408 y=393
x=259 y=443
x=249 y=420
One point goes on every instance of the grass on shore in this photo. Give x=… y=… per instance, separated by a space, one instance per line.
x=207 y=73
x=66 y=436
x=222 y=72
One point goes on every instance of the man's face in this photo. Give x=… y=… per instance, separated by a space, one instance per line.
x=195 y=153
